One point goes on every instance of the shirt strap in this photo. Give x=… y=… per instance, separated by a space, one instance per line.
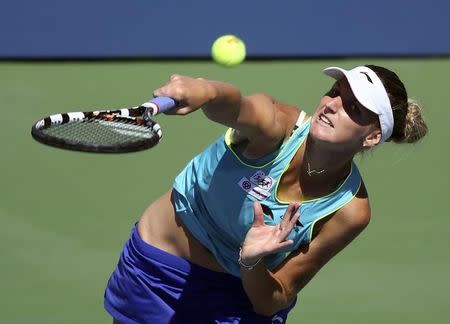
x=299 y=122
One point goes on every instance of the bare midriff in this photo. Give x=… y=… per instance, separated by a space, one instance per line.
x=160 y=227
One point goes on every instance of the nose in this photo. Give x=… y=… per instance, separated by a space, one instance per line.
x=332 y=105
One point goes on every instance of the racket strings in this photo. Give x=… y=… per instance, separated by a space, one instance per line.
x=101 y=131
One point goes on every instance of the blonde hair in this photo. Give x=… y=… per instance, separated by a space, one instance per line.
x=415 y=127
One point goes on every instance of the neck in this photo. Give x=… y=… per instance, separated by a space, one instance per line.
x=324 y=161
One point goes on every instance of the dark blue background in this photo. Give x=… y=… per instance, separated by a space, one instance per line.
x=183 y=28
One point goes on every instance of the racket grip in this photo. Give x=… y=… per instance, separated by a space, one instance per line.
x=162 y=104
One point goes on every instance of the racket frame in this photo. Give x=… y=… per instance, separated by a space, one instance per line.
x=135 y=114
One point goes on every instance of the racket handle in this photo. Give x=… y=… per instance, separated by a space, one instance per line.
x=160 y=105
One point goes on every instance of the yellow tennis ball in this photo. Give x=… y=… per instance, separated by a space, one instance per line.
x=228 y=50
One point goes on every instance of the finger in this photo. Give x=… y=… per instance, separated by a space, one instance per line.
x=175 y=77
x=294 y=211
x=284 y=231
x=158 y=92
x=296 y=215
x=167 y=91
x=175 y=89
x=282 y=245
x=294 y=219
x=288 y=215
x=258 y=214
x=291 y=213
x=181 y=111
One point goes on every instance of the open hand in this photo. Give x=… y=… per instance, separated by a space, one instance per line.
x=262 y=239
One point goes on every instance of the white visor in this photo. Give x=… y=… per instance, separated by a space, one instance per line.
x=370 y=92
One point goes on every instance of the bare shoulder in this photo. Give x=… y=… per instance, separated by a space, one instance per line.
x=342 y=227
x=356 y=214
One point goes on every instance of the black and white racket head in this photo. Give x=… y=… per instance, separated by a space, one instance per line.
x=105 y=131
x=102 y=132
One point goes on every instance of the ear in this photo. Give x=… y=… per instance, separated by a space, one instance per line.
x=374 y=138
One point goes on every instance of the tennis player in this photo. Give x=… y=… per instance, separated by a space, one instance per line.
x=251 y=219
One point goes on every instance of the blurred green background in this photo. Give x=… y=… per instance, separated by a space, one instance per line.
x=64 y=216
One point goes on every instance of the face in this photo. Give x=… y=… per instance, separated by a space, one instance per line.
x=341 y=119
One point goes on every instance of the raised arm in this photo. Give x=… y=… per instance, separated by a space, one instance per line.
x=255 y=117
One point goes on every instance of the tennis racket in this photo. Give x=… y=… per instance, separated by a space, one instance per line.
x=104 y=131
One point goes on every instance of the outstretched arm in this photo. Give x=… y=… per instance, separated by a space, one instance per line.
x=256 y=117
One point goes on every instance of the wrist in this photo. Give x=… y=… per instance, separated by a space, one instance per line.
x=247 y=264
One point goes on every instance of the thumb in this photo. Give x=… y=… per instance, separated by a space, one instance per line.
x=258 y=219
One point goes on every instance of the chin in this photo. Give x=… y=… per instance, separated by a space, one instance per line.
x=334 y=138
x=322 y=133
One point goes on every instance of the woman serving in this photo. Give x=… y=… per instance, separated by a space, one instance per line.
x=251 y=219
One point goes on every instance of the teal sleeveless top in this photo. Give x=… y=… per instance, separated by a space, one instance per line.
x=214 y=197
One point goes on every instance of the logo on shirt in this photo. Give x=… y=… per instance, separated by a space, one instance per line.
x=258 y=185
x=261 y=180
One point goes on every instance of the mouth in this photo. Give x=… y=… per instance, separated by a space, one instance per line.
x=324 y=120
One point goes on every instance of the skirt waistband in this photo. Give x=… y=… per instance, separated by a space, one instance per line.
x=173 y=261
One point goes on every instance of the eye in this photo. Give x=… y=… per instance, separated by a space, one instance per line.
x=333 y=93
x=355 y=108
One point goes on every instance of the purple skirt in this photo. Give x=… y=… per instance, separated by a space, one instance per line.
x=151 y=286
